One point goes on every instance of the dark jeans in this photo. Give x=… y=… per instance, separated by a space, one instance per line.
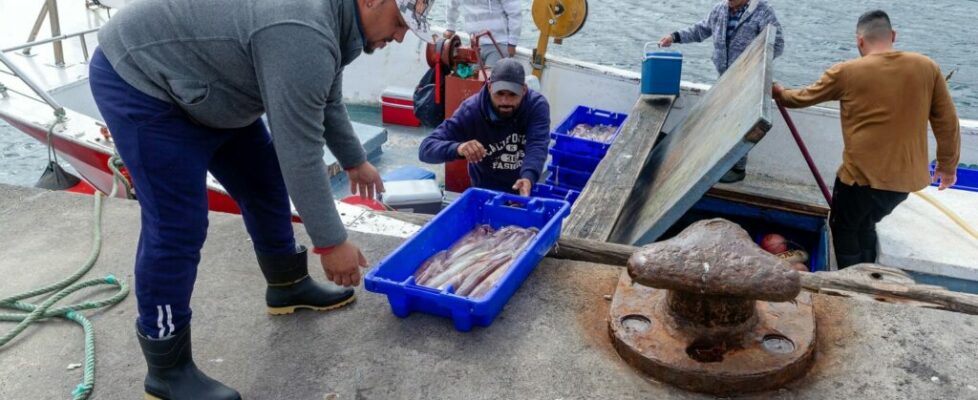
x=855 y=212
x=168 y=157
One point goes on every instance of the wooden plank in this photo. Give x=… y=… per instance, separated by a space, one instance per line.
x=733 y=115
x=597 y=209
x=815 y=210
x=867 y=279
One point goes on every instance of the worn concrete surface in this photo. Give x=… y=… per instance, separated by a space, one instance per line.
x=919 y=237
x=551 y=341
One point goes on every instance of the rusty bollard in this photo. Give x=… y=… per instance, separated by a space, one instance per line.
x=709 y=311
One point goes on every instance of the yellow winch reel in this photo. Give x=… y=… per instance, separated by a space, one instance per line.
x=557 y=19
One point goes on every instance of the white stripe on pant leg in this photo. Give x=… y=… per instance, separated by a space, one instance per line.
x=169 y=318
x=159 y=321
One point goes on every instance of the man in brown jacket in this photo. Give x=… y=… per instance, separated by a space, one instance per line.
x=886 y=99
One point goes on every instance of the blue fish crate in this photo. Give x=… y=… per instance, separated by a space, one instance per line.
x=967 y=177
x=579 y=162
x=567 y=177
x=591 y=116
x=555 y=192
x=394 y=276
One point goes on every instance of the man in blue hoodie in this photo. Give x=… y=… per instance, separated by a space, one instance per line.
x=503 y=131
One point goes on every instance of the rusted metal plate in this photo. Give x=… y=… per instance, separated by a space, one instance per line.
x=732 y=116
x=778 y=349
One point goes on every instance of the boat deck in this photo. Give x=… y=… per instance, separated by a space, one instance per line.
x=921 y=239
x=550 y=342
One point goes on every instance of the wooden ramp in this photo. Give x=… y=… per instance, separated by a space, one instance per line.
x=599 y=205
x=638 y=192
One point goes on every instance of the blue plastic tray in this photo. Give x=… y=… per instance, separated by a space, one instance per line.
x=567 y=177
x=394 y=275
x=591 y=116
x=579 y=162
x=967 y=177
x=554 y=192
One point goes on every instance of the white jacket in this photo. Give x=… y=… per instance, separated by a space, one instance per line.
x=501 y=17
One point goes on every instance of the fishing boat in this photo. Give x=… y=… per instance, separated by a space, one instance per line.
x=45 y=94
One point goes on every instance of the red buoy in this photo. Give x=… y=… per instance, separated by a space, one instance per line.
x=774 y=243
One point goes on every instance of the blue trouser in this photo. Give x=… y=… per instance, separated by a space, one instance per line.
x=168 y=157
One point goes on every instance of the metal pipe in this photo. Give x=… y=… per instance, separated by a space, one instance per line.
x=37 y=26
x=84 y=45
x=804 y=152
x=48 y=40
x=58 y=109
x=27 y=96
x=59 y=51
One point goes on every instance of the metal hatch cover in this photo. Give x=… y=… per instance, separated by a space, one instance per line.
x=730 y=119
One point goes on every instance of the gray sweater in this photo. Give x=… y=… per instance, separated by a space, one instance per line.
x=225 y=62
x=726 y=50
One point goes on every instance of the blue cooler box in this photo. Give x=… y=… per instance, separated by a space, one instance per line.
x=661 y=72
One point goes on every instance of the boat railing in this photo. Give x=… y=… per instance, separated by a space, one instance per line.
x=17 y=72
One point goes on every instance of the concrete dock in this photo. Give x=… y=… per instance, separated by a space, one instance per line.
x=551 y=341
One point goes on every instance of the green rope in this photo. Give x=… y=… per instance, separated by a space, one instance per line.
x=31 y=313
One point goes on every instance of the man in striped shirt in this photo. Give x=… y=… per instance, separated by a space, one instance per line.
x=733 y=24
x=503 y=18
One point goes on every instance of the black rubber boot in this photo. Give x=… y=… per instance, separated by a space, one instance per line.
x=733 y=176
x=172 y=373
x=290 y=287
x=737 y=173
x=868 y=256
x=848 y=260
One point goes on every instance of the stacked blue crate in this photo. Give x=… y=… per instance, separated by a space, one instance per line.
x=574 y=159
x=967 y=177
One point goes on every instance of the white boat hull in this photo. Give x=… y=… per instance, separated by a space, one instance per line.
x=567 y=83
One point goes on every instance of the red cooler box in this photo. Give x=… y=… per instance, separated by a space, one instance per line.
x=398 y=106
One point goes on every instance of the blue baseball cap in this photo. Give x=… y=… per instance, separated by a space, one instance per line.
x=507 y=74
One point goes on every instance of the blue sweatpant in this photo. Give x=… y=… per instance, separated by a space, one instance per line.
x=168 y=157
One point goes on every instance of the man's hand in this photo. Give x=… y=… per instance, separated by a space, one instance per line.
x=342 y=265
x=512 y=50
x=523 y=186
x=666 y=41
x=365 y=180
x=449 y=34
x=776 y=91
x=947 y=180
x=472 y=151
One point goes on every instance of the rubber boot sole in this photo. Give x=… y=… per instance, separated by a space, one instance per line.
x=147 y=396
x=291 y=309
